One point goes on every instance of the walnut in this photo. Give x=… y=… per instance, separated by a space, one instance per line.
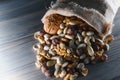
x=52 y=23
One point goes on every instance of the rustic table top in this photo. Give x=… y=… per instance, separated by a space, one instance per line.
x=19 y=19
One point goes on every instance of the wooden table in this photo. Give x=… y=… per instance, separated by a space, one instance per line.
x=19 y=19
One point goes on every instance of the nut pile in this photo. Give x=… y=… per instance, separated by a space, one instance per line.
x=65 y=52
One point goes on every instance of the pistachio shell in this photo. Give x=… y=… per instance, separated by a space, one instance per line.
x=82 y=45
x=50 y=63
x=84 y=71
x=65 y=30
x=41 y=40
x=46 y=37
x=59 y=31
x=90 y=51
x=62 y=26
x=90 y=33
x=53 y=37
x=80 y=66
x=74 y=76
x=69 y=36
x=46 y=48
x=63 y=73
x=79 y=37
x=87 y=40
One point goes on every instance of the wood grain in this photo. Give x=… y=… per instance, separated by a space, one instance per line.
x=19 y=19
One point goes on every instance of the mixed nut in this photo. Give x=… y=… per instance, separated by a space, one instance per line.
x=64 y=52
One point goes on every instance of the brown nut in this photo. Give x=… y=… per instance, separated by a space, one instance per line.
x=52 y=23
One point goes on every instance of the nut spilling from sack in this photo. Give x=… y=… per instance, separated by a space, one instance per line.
x=66 y=45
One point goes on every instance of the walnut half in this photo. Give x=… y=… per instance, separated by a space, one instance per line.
x=52 y=23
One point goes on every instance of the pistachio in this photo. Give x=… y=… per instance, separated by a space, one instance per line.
x=58 y=59
x=79 y=37
x=84 y=71
x=69 y=36
x=36 y=47
x=61 y=35
x=62 y=45
x=90 y=51
x=92 y=58
x=62 y=26
x=57 y=70
x=80 y=66
x=67 y=77
x=108 y=39
x=46 y=48
x=65 y=30
x=46 y=37
x=81 y=45
x=90 y=33
x=59 y=31
x=74 y=76
x=63 y=73
x=38 y=65
x=83 y=33
x=100 y=41
x=65 y=64
x=106 y=47
x=52 y=46
x=50 y=63
x=41 y=40
x=64 y=39
x=100 y=53
x=87 y=40
x=73 y=22
x=38 y=33
x=82 y=56
x=40 y=58
x=86 y=61
x=68 y=51
x=52 y=52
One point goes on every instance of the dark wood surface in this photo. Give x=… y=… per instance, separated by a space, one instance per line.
x=19 y=19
